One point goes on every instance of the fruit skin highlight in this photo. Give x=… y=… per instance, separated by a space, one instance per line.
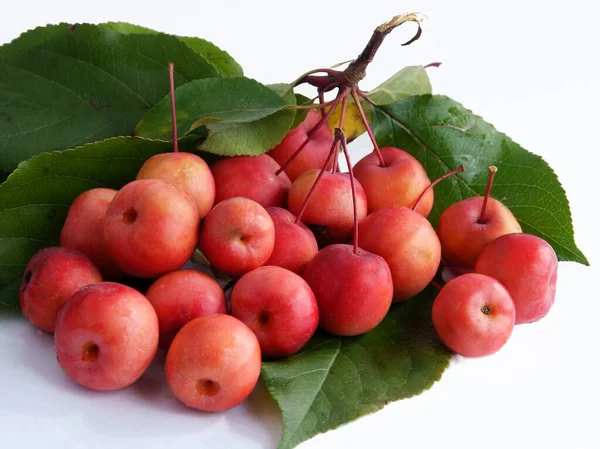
x=353 y=291
x=295 y=244
x=52 y=276
x=409 y=245
x=84 y=229
x=473 y=315
x=179 y=297
x=237 y=236
x=527 y=266
x=213 y=363
x=314 y=155
x=106 y=336
x=151 y=228
x=398 y=184
x=251 y=177
x=278 y=306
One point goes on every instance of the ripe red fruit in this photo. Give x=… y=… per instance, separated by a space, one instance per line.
x=84 y=229
x=151 y=227
x=106 y=336
x=251 y=177
x=466 y=227
x=473 y=315
x=409 y=245
x=278 y=306
x=314 y=153
x=330 y=204
x=213 y=363
x=181 y=296
x=353 y=290
x=295 y=244
x=398 y=184
x=237 y=236
x=186 y=171
x=527 y=266
x=52 y=276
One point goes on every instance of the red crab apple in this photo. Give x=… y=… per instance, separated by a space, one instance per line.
x=353 y=289
x=315 y=152
x=527 y=266
x=473 y=315
x=52 y=276
x=251 y=177
x=84 y=229
x=213 y=363
x=180 y=296
x=397 y=184
x=295 y=244
x=466 y=227
x=106 y=336
x=237 y=236
x=330 y=204
x=151 y=228
x=409 y=245
x=278 y=306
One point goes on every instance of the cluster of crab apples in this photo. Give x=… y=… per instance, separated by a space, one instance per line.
x=306 y=247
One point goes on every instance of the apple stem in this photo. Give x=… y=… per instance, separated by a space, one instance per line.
x=436 y=285
x=342 y=93
x=173 y=110
x=432 y=64
x=312 y=188
x=342 y=138
x=363 y=117
x=334 y=167
x=492 y=172
x=322 y=101
x=456 y=171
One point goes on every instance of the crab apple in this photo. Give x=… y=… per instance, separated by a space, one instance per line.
x=186 y=171
x=527 y=266
x=353 y=290
x=407 y=242
x=106 y=336
x=84 y=229
x=237 y=236
x=330 y=204
x=251 y=177
x=151 y=228
x=295 y=244
x=398 y=184
x=467 y=226
x=52 y=276
x=314 y=154
x=213 y=363
x=278 y=306
x=473 y=315
x=179 y=297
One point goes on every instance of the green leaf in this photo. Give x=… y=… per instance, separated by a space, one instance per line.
x=36 y=197
x=335 y=380
x=63 y=86
x=301 y=114
x=442 y=135
x=226 y=65
x=241 y=115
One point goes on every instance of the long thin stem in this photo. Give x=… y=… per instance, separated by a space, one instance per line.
x=352 y=187
x=173 y=110
x=322 y=101
x=314 y=129
x=343 y=107
x=456 y=171
x=323 y=169
x=363 y=117
x=492 y=172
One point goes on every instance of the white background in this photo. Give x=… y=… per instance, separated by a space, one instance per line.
x=529 y=67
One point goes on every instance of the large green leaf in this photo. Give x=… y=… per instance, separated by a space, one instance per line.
x=240 y=115
x=66 y=85
x=336 y=380
x=222 y=60
x=442 y=135
x=36 y=197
